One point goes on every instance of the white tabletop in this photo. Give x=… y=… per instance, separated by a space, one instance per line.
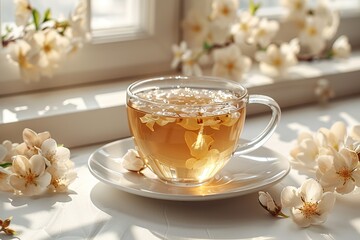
x=94 y=210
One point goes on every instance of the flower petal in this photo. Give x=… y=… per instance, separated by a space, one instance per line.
x=37 y=165
x=327 y=203
x=311 y=190
x=299 y=218
x=44 y=180
x=17 y=182
x=48 y=147
x=21 y=165
x=356 y=176
x=62 y=154
x=347 y=187
x=289 y=197
x=29 y=137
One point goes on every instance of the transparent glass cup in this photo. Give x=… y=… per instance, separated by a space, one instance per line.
x=187 y=128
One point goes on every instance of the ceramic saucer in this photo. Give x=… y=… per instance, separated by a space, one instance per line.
x=242 y=175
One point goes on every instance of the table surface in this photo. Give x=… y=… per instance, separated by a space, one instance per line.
x=94 y=210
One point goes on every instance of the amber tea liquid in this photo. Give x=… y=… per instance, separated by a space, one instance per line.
x=186 y=135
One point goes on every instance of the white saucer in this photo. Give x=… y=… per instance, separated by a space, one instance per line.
x=242 y=175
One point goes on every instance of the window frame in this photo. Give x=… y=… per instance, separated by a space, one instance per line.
x=154 y=37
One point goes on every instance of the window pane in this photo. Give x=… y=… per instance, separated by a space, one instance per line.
x=58 y=8
x=108 y=14
x=244 y=4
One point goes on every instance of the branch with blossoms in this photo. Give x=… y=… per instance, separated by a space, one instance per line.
x=35 y=166
x=4 y=227
x=230 y=40
x=39 y=42
x=331 y=159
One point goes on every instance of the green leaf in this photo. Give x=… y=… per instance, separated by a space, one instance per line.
x=36 y=18
x=206 y=46
x=5 y=165
x=253 y=7
x=47 y=15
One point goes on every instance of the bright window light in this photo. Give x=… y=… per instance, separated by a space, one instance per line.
x=108 y=14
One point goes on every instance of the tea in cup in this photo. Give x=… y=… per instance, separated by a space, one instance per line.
x=187 y=128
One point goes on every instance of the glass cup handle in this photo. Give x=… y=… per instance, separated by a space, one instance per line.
x=270 y=128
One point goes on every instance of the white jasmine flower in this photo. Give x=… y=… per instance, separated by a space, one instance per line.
x=77 y=32
x=217 y=34
x=32 y=142
x=264 y=32
x=23 y=12
x=341 y=47
x=53 y=153
x=178 y=51
x=335 y=136
x=4 y=181
x=190 y=65
x=224 y=11
x=47 y=49
x=29 y=175
x=268 y=203
x=306 y=151
x=296 y=8
x=199 y=146
x=77 y=21
x=243 y=28
x=311 y=36
x=323 y=90
x=62 y=175
x=276 y=60
x=5 y=172
x=196 y=28
x=18 y=54
x=353 y=140
x=7 y=151
x=132 y=161
x=230 y=63
x=309 y=204
x=150 y=120
x=329 y=18
x=340 y=171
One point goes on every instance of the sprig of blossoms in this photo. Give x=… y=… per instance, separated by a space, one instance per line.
x=232 y=40
x=4 y=226
x=317 y=25
x=331 y=158
x=35 y=166
x=39 y=43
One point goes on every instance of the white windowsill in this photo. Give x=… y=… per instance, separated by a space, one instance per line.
x=96 y=113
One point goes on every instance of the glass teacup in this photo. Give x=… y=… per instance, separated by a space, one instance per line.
x=187 y=128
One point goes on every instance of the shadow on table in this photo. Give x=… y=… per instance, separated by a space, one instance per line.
x=233 y=218
x=24 y=205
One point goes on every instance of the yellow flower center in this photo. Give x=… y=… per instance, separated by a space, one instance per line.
x=225 y=11
x=299 y=5
x=261 y=32
x=196 y=28
x=277 y=62
x=23 y=63
x=345 y=174
x=230 y=66
x=47 y=48
x=309 y=209
x=312 y=31
x=244 y=27
x=30 y=178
